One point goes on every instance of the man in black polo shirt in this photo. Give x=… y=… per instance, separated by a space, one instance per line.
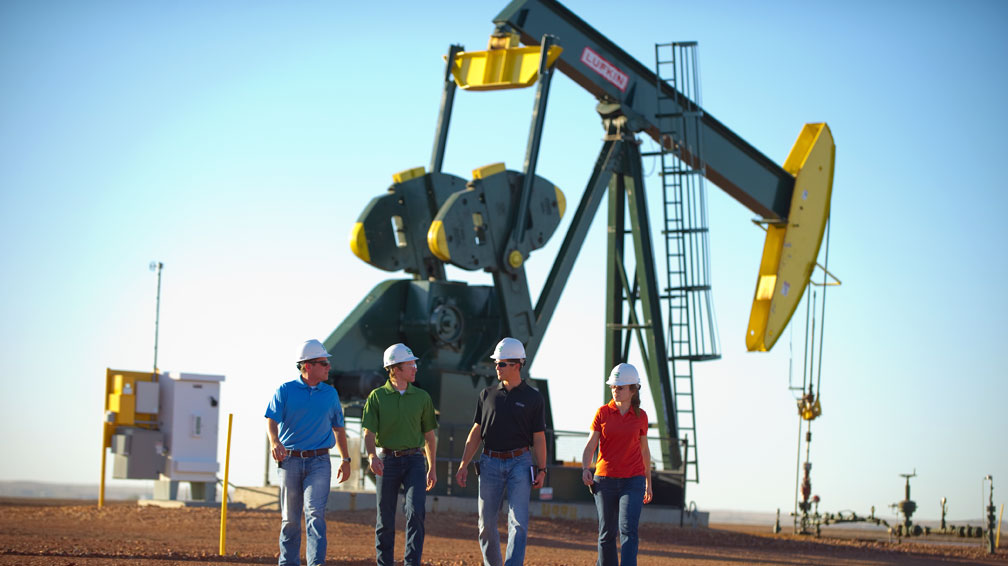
x=510 y=418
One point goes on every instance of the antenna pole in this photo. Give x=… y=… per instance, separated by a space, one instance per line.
x=157 y=266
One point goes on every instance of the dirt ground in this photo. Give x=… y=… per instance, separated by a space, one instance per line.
x=74 y=533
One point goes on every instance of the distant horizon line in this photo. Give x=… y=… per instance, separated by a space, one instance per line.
x=34 y=489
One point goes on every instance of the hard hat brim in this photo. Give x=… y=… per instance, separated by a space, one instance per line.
x=413 y=359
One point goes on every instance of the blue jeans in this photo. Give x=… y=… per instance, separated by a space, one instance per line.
x=411 y=473
x=304 y=486
x=619 y=502
x=496 y=476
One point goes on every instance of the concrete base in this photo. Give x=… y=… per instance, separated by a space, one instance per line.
x=268 y=498
x=167 y=490
x=176 y=504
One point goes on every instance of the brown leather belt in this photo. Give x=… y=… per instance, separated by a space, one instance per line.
x=307 y=453
x=401 y=453
x=505 y=455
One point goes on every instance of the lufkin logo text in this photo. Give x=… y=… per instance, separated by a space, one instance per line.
x=604 y=68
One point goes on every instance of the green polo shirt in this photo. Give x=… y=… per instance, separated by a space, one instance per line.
x=399 y=421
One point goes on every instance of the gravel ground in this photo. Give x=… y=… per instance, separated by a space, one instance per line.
x=72 y=533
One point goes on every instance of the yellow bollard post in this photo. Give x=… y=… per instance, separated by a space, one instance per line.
x=997 y=542
x=227 y=465
x=101 y=484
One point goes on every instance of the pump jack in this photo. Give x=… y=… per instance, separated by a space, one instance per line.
x=494 y=221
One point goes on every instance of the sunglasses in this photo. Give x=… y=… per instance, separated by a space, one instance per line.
x=503 y=364
x=322 y=363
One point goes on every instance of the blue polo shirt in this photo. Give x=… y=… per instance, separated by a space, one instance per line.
x=306 y=415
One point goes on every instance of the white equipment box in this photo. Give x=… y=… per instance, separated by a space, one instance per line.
x=189 y=417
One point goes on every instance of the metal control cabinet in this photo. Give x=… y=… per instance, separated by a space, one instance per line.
x=188 y=418
x=137 y=454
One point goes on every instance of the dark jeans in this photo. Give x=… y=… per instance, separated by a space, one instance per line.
x=619 y=502
x=410 y=472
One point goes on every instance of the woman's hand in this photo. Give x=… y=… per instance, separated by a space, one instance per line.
x=647 y=493
x=587 y=477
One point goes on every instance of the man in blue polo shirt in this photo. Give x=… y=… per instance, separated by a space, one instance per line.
x=304 y=420
x=399 y=418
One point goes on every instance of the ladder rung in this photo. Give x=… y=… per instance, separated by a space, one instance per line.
x=627 y=326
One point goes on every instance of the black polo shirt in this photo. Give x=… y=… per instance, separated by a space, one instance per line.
x=508 y=419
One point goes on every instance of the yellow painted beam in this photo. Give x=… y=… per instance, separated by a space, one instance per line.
x=498 y=69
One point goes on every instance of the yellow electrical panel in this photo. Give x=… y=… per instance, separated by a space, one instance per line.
x=123 y=391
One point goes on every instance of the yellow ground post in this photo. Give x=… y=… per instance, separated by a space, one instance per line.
x=224 y=490
x=997 y=542
x=101 y=484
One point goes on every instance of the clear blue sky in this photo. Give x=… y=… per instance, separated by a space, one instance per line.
x=238 y=141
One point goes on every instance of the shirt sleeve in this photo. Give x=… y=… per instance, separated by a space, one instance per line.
x=539 y=422
x=337 y=418
x=275 y=408
x=643 y=423
x=428 y=421
x=478 y=417
x=369 y=419
x=597 y=421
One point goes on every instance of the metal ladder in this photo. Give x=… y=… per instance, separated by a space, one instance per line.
x=692 y=327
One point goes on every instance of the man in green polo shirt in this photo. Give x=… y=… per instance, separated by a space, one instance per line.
x=399 y=418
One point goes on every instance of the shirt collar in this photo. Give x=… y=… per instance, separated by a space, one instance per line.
x=500 y=385
x=612 y=407
x=391 y=388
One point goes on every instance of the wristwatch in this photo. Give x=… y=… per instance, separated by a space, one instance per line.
x=345 y=459
x=543 y=470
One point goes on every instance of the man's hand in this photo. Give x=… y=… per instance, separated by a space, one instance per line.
x=540 y=479
x=344 y=472
x=461 y=475
x=376 y=464
x=431 y=478
x=278 y=451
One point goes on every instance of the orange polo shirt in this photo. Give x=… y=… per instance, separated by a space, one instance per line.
x=619 y=446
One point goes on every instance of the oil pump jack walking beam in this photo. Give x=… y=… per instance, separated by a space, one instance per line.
x=746 y=174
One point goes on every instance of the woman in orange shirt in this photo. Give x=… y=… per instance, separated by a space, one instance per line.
x=622 y=479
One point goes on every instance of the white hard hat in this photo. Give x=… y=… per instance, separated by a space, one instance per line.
x=397 y=354
x=312 y=349
x=623 y=374
x=509 y=349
